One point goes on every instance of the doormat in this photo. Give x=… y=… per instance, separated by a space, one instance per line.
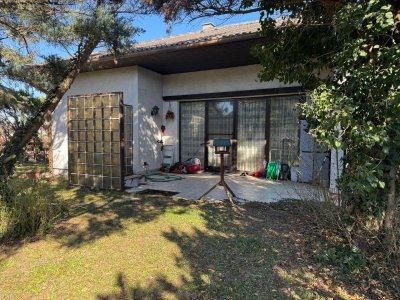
x=156 y=192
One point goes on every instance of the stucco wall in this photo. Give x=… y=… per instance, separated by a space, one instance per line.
x=149 y=95
x=123 y=80
x=215 y=81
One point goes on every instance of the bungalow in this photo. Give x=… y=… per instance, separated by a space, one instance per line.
x=112 y=121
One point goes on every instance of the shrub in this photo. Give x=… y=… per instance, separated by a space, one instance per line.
x=34 y=207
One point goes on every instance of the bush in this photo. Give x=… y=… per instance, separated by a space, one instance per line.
x=34 y=207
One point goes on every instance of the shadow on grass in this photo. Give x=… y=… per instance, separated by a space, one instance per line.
x=240 y=255
x=98 y=219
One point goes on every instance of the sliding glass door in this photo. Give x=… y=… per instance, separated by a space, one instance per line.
x=251 y=134
x=192 y=130
x=265 y=128
x=220 y=124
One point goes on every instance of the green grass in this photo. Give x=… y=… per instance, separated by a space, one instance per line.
x=117 y=246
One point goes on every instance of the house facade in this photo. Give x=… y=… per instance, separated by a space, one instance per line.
x=106 y=126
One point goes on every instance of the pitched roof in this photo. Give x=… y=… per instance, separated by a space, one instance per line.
x=193 y=38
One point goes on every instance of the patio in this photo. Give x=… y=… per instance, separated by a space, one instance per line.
x=247 y=188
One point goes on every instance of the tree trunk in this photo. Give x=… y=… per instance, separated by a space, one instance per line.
x=390 y=209
x=24 y=134
x=50 y=145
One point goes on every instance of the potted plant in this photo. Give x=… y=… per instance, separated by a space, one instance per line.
x=34 y=173
x=169 y=115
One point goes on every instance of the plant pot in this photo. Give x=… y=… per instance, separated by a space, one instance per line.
x=33 y=175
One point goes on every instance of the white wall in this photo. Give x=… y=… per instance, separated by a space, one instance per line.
x=149 y=95
x=123 y=80
x=215 y=81
x=171 y=134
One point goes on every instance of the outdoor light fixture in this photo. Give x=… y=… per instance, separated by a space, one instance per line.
x=154 y=110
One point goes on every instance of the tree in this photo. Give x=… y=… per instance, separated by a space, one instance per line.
x=346 y=53
x=77 y=27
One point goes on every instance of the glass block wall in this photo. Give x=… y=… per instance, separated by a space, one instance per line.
x=128 y=139
x=94 y=140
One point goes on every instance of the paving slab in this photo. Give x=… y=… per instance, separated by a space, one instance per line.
x=246 y=188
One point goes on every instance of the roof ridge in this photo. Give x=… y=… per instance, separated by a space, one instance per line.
x=229 y=30
x=196 y=31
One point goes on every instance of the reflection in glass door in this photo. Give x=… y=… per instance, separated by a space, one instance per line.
x=220 y=124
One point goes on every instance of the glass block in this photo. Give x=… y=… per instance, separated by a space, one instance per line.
x=81 y=158
x=90 y=147
x=89 y=124
x=98 y=113
x=73 y=178
x=116 y=148
x=89 y=158
x=116 y=182
x=81 y=168
x=82 y=125
x=98 y=147
x=98 y=159
x=106 y=182
x=107 y=147
x=89 y=169
x=106 y=171
x=73 y=125
x=97 y=170
x=98 y=124
x=98 y=136
x=97 y=182
x=81 y=179
x=115 y=124
x=97 y=101
x=89 y=180
x=115 y=112
x=115 y=136
x=106 y=136
x=72 y=102
x=88 y=102
x=82 y=136
x=80 y=103
x=73 y=114
x=73 y=158
x=115 y=159
x=82 y=147
x=88 y=113
x=81 y=113
x=115 y=171
x=90 y=136
x=114 y=99
x=105 y=101
x=106 y=113
x=73 y=147
x=73 y=168
x=107 y=159
x=106 y=125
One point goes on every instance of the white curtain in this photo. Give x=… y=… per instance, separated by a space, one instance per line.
x=251 y=134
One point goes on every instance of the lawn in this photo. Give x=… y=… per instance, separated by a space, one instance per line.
x=118 y=246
